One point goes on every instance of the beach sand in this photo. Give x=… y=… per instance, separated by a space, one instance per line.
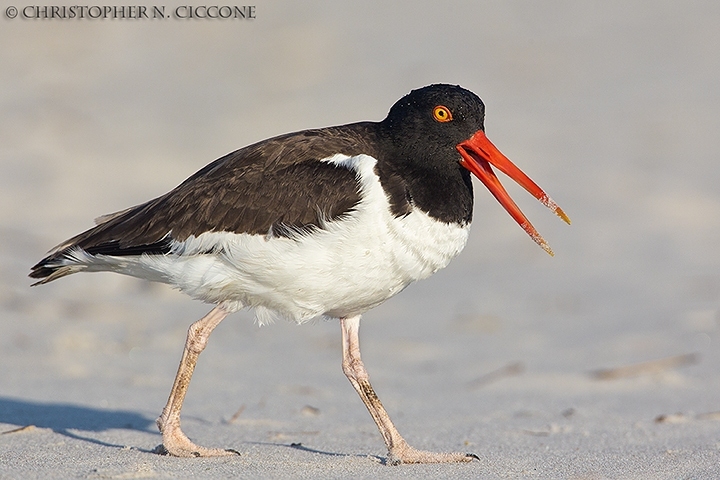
x=602 y=362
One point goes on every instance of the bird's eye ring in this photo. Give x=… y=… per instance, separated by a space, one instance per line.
x=442 y=114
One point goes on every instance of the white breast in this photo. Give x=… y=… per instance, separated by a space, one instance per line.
x=347 y=267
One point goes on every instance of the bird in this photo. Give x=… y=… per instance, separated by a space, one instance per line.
x=327 y=222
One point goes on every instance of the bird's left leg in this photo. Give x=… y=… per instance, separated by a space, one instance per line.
x=398 y=449
x=174 y=440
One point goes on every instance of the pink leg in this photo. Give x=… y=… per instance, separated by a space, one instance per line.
x=174 y=440
x=398 y=449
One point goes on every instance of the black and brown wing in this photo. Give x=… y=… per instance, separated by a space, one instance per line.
x=275 y=187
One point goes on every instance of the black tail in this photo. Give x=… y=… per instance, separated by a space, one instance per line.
x=51 y=268
x=116 y=235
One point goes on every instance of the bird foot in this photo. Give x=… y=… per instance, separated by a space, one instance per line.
x=175 y=443
x=407 y=454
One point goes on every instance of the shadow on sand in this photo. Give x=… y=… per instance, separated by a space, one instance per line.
x=63 y=417
x=71 y=420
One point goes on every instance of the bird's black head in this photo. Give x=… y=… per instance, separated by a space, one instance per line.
x=440 y=130
x=427 y=123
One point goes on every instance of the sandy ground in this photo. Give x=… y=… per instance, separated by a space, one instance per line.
x=612 y=107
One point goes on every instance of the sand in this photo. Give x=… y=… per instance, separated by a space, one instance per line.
x=601 y=362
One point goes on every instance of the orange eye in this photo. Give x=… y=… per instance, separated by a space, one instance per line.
x=442 y=114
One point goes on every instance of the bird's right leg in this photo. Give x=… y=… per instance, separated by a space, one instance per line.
x=398 y=449
x=174 y=440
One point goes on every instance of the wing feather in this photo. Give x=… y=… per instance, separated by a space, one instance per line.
x=278 y=186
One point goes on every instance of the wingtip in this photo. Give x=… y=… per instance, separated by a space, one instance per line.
x=48 y=274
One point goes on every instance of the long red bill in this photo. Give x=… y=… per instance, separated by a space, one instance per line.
x=478 y=154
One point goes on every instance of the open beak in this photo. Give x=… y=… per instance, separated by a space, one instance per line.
x=478 y=154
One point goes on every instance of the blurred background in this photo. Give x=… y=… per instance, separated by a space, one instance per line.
x=612 y=107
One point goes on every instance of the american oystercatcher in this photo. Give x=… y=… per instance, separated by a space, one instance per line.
x=331 y=222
